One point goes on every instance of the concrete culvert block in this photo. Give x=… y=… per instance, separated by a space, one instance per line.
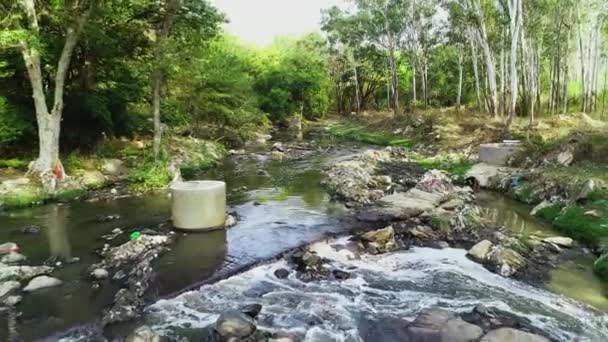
x=198 y=205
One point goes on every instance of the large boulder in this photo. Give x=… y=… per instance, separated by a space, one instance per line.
x=93 y=179
x=505 y=261
x=20 y=273
x=480 y=251
x=428 y=325
x=42 y=282
x=134 y=248
x=379 y=241
x=8 y=247
x=234 y=324
x=510 y=335
x=457 y=330
x=143 y=334
x=113 y=167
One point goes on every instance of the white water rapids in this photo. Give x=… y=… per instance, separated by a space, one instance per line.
x=398 y=284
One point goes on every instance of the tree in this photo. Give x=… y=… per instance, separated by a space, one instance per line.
x=25 y=32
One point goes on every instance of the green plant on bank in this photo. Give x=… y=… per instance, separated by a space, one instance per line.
x=21 y=200
x=600 y=267
x=13 y=163
x=69 y=195
x=73 y=162
x=149 y=176
x=359 y=134
x=456 y=168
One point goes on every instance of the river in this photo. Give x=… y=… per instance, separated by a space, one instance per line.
x=281 y=205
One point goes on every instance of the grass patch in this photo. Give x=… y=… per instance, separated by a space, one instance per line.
x=456 y=168
x=13 y=164
x=360 y=134
x=149 y=176
x=69 y=195
x=600 y=267
x=573 y=222
x=22 y=200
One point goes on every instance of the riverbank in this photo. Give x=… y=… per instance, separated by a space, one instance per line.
x=117 y=168
x=561 y=168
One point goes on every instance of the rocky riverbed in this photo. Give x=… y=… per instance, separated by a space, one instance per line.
x=415 y=258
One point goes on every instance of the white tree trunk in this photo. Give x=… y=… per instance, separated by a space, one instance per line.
x=475 y=69
x=460 y=72
x=516 y=20
x=488 y=57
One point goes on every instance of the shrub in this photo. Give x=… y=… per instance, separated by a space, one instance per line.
x=12 y=125
x=13 y=163
x=149 y=176
x=600 y=267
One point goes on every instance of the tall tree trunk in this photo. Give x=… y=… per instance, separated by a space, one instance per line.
x=158 y=73
x=460 y=72
x=516 y=20
x=394 y=78
x=475 y=70
x=356 y=77
x=503 y=92
x=49 y=122
x=414 y=97
x=582 y=58
x=488 y=57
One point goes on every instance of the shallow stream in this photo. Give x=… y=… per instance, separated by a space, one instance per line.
x=291 y=209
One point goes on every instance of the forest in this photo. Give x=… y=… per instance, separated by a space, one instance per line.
x=410 y=170
x=73 y=72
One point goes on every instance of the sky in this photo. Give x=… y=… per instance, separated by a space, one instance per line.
x=261 y=21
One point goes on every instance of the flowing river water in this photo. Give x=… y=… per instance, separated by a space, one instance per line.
x=284 y=206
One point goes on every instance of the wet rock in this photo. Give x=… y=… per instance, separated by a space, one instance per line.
x=480 y=251
x=12 y=300
x=510 y=334
x=278 y=146
x=428 y=325
x=251 y=310
x=32 y=229
x=134 y=248
x=505 y=261
x=423 y=233
x=439 y=244
x=559 y=241
x=230 y=221
x=281 y=273
x=340 y=275
x=401 y=206
x=8 y=287
x=108 y=218
x=379 y=241
x=20 y=273
x=257 y=203
x=542 y=205
x=113 y=167
x=42 y=282
x=8 y=247
x=593 y=213
x=234 y=324
x=100 y=273
x=489 y=318
x=13 y=258
x=143 y=334
x=457 y=330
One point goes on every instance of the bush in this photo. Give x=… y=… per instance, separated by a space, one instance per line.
x=13 y=163
x=149 y=176
x=600 y=267
x=12 y=125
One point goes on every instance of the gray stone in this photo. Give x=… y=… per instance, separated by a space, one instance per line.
x=113 y=167
x=586 y=190
x=8 y=247
x=143 y=334
x=93 y=178
x=565 y=158
x=8 y=287
x=12 y=300
x=402 y=206
x=452 y=204
x=251 y=310
x=22 y=272
x=42 y=282
x=542 y=205
x=281 y=273
x=428 y=325
x=100 y=273
x=13 y=258
x=457 y=330
x=234 y=324
x=561 y=241
x=511 y=335
x=230 y=221
x=505 y=261
x=382 y=240
x=480 y=251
